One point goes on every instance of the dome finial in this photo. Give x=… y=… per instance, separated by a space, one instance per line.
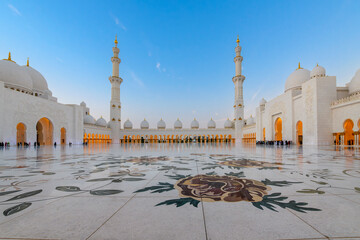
x=9 y=58
x=299 y=67
x=317 y=64
x=116 y=41
x=27 y=63
x=237 y=40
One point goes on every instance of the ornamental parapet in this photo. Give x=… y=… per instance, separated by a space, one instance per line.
x=115 y=79
x=238 y=58
x=353 y=97
x=115 y=60
x=238 y=78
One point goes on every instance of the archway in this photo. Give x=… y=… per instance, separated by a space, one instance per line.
x=348 y=132
x=263 y=134
x=278 y=129
x=299 y=132
x=44 y=131
x=63 y=135
x=20 y=133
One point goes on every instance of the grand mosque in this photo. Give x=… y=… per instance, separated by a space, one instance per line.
x=313 y=110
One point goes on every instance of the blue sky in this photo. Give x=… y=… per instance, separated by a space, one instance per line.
x=177 y=56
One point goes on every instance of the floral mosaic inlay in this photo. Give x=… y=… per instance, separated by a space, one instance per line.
x=213 y=188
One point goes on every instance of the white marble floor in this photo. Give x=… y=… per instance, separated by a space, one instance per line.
x=180 y=191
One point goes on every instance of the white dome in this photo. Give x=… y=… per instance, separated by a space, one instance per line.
x=109 y=124
x=228 y=124
x=39 y=82
x=144 y=124
x=262 y=102
x=211 y=124
x=354 y=84
x=88 y=119
x=101 y=122
x=317 y=71
x=161 y=124
x=15 y=76
x=83 y=104
x=128 y=124
x=178 y=124
x=297 y=78
x=194 y=124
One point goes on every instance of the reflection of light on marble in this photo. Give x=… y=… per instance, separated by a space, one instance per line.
x=72 y=184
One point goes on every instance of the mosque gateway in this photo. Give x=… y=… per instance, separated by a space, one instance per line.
x=313 y=110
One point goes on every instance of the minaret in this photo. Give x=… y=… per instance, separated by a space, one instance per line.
x=238 y=81
x=115 y=105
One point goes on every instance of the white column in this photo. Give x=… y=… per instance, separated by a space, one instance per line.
x=238 y=81
x=115 y=104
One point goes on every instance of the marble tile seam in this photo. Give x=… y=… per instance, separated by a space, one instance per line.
x=202 y=207
x=326 y=237
x=119 y=209
x=348 y=198
x=31 y=211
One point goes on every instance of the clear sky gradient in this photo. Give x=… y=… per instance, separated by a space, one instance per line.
x=177 y=56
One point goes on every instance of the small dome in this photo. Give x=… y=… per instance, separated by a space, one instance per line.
x=354 y=84
x=262 y=102
x=211 y=124
x=250 y=120
x=39 y=82
x=88 y=119
x=15 y=76
x=228 y=124
x=101 y=122
x=83 y=104
x=161 y=124
x=317 y=71
x=144 y=124
x=178 y=124
x=194 y=124
x=128 y=124
x=297 y=78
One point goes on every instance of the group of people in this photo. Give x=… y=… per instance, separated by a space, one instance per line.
x=4 y=144
x=25 y=144
x=278 y=143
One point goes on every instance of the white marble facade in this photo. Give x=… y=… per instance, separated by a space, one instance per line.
x=312 y=110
